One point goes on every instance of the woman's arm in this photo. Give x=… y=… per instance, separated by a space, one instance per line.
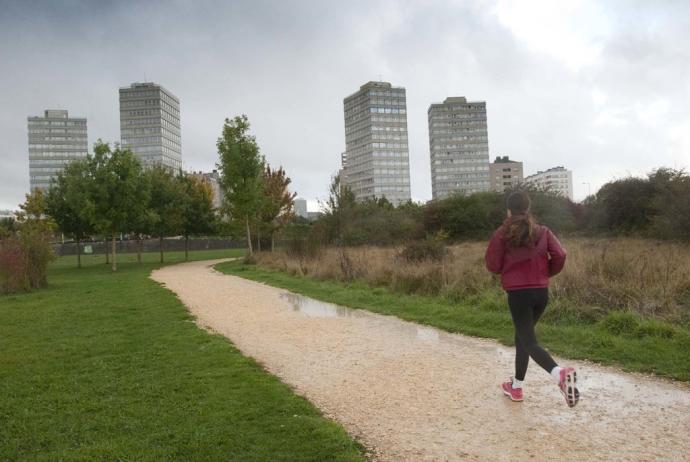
x=556 y=252
x=495 y=252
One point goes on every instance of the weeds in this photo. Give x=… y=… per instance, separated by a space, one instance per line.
x=647 y=278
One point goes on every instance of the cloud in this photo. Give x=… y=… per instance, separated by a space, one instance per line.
x=596 y=87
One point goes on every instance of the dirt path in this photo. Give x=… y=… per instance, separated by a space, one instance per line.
x=410 y=392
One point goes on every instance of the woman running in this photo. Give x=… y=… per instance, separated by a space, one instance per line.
x=526 y=254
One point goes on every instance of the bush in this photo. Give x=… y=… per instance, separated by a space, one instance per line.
x=24 y=262
x=430 y=249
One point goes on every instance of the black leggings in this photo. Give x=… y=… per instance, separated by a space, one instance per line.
x=526 y=307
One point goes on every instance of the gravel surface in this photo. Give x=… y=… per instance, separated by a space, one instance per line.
x=411 y=392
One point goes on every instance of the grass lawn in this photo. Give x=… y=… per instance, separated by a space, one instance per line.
x=110 y=366
x=621 y=339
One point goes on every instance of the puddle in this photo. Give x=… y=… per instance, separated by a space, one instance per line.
x=318 y=309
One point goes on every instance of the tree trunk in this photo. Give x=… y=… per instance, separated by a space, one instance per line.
x=258 y=240
x=273 y=241
x=78 y=253
x=114 y=253
x=107 y=251
x=161 y=247
x=249 y=236
x=139 y=245
x=186 y=248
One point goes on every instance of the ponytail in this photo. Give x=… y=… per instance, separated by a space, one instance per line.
x=520 y=227
x=520 y=231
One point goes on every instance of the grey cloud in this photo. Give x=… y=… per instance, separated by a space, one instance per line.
x=288 y=65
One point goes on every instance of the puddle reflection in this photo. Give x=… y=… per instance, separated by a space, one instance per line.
x=318 y=309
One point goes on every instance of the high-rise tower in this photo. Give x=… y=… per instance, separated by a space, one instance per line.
x=459 y=147
x=376 y=143
x=54 y=140
x=150 y=124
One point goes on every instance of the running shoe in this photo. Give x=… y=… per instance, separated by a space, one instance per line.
x=568 y=386
x=514 y=394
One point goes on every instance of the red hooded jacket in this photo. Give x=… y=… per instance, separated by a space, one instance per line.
x=525 y=267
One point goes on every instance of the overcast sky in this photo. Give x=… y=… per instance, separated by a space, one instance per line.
x=601 y=88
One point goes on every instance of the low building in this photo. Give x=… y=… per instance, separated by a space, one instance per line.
x=557 y=179
x=213 y=179
x=7 y=214
x=505 y=174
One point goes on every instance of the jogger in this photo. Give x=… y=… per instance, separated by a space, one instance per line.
x=526 y=255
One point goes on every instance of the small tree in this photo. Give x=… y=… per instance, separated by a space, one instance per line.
x=198 y=214
x=278 y=202
x=120 y=192
x=240 y=167
x=24 y=255
x=167 y=203
x=70 y=203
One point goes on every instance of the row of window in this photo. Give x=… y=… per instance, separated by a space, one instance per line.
x=36 y=147
x=67 y=131
x=383 y=136
x=35 y=162
x=61 y=154
x=459 y=137
x=389 y=145
x=57 y=123
x=387 y=110
x=378 y=128
x=470 y=160
x=460 y=169
x=388 y=102
x=398 y=92
x=61 y=138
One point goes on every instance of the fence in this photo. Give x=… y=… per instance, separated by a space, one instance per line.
x=148 y=245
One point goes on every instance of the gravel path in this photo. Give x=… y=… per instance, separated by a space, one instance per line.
x=410 y=392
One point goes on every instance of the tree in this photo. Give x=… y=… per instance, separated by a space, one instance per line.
x=167 y=203
x=240 y=167
x=120 y=191
x=278 y=205
x=70 y=203
x=198 y=215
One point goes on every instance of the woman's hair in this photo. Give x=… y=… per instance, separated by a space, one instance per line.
x=520 y=227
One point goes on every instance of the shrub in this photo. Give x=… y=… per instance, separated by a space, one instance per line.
x=430 y=249
x=13 y=267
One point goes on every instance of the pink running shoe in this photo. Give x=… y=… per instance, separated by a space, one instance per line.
x=568 y=386
x=514 y=394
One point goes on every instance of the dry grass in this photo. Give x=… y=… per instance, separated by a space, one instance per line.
x=601 y=275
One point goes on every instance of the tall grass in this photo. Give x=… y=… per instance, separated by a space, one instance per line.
x=649 y=278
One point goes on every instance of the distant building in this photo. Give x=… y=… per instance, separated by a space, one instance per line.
x=505 y=174
x=314 y=215
x=376 y=159
x=150 y=124
x=459 y=147
x=4 y=214
x=54 y=140
x=301 y=208
x=213 y=179
x=556 y=179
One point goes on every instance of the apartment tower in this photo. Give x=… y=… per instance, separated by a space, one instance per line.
x=54 y=140
x=376 y=159
x=150 y=124
x=459 y=147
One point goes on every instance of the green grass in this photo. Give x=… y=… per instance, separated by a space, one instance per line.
x=110 y=366
x=619 y=338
